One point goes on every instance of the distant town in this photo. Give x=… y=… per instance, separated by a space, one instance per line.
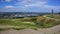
x=23 y=14
x=19 y=14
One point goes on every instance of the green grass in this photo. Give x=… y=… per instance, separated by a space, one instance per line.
x=13 y=22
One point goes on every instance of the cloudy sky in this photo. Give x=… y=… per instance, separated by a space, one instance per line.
x=29 y=5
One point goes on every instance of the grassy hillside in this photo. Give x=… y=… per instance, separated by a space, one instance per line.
x=47 y=22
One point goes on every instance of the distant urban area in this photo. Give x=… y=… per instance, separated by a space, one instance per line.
x=21 y=14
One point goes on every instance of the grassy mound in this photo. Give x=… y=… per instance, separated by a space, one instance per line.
x=47 y=22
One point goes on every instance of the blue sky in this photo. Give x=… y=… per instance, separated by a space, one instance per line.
x=29 y=5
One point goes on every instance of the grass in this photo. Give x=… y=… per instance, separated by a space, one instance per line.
x=54 y=16
x=18 y=22
x=47 y=22
x=1 y=29
x=34 y=23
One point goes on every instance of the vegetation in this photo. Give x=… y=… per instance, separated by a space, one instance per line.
x=34 y=22
x=1 y=29
x=18 y=22
x=54 y=16
x=47 y=22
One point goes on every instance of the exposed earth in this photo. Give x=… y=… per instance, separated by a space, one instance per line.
x=52 y=30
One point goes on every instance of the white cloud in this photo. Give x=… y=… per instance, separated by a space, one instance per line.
x=9 y=7
x=8 y=0
x=38 y=4
x=31 y=3
x=51 y=7
x=25 y=2
x=42 y=5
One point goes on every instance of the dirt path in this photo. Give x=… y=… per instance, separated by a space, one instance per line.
x=53 y=30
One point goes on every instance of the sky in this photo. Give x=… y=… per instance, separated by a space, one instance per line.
x=29 y=5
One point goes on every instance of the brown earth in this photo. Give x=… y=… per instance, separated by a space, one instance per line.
x=52 y=30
